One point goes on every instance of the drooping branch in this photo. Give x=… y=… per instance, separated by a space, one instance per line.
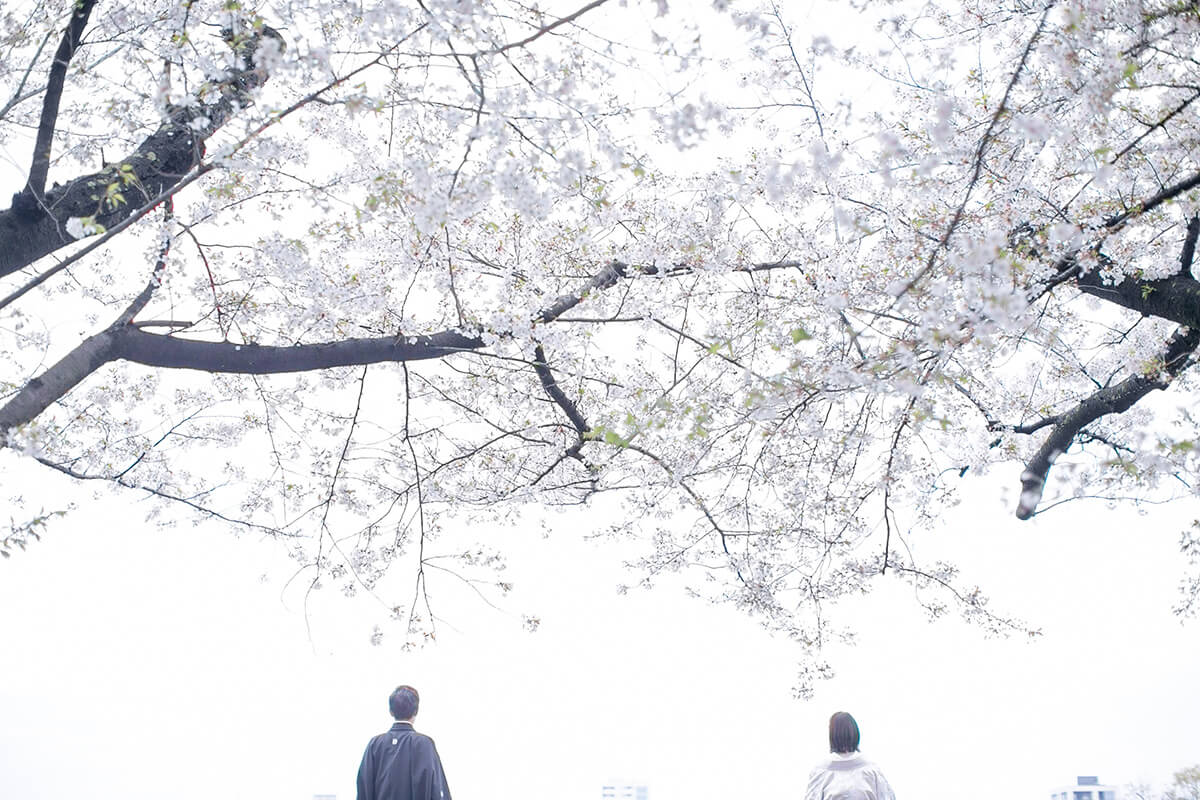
x=35 y=186
x=699 y=501
x=31 y=230
x=21 y=534
x=165 y=494
x=1116 y=399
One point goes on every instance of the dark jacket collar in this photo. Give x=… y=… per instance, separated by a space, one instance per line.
x=402 y=726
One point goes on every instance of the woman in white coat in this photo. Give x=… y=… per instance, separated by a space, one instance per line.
x=846 y=775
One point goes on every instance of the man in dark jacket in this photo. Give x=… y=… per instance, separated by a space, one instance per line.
x=402 y=764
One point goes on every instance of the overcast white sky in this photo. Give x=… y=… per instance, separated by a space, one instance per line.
x=143 y=662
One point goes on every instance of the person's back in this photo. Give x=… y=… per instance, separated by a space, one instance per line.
x=846 y=775
x=401 y=764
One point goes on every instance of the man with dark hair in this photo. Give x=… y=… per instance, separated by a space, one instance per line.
x=402 y=764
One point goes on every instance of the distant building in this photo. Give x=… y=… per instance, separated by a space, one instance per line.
x=624 y=791
x=1087 y=787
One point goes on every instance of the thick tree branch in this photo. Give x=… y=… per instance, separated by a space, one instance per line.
x=38 y=394
x=578 y=421
x=1110 y=400
x=557 y=394
x=158 y=350
x=604 y=279
x=153 y=168
x=1068 y=268
x=1176 y=298
x=201 y=169
x=126 y=340
x=35 y=186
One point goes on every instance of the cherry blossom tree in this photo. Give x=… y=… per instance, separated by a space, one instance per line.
x=342 y=273
x=1186 y=785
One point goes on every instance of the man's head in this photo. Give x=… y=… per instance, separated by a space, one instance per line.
x=843 y=733
x=403 y=703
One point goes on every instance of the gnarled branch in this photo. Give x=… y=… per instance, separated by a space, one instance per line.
x=159 y=162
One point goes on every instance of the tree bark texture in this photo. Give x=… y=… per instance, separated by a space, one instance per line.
x=123 y=341
x=35 y=226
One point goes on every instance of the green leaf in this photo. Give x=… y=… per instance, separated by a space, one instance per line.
x=615 y=439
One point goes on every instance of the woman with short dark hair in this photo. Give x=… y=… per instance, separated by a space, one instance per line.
x=846 y=775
